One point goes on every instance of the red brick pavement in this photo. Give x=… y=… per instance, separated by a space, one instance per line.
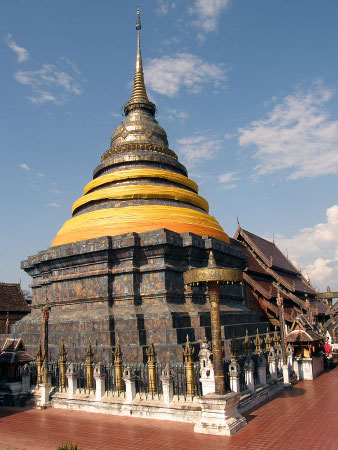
x=304 y=417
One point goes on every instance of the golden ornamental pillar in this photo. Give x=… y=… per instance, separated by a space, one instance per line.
x=268 y=340
x=62 y=363
x=152 y=368
x=276 y=338
x=117 y=355
x=89 y=366
x=39 y=359
x=188 y=352
x=247 y=343
x=216 y=336
x=258 y=343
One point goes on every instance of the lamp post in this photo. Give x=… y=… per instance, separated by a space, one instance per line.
x=45 y=319
x=213 y=276
x=282 y=326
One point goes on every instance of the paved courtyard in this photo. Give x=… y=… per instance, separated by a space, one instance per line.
x=305 y=417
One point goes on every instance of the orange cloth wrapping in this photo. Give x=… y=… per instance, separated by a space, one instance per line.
x=140 y=173
x=144 y=192
x=138 y=219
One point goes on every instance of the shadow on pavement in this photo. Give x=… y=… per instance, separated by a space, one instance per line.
x=10 y=410
x=292 y=392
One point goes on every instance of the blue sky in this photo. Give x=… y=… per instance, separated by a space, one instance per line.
x=246 y=90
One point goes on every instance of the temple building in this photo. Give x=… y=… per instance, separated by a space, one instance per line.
x=115 y=269
x=13 y=306
x=269 y=272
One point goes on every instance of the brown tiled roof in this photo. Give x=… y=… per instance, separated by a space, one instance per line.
x=303 y=336
x=15 y=358
x=322 y=309
x=13 y=345
x=299 y=284
x=334 y=308
x=253 y=266
x=271 y=252
x=12 y=299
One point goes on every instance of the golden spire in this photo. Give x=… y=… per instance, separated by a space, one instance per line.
x=139 y=97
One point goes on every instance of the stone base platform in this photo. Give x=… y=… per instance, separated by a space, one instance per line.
x=219 y=415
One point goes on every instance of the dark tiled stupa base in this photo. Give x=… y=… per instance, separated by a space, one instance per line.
x=131 y=287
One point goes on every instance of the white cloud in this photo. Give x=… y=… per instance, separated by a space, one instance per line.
x=297 y=136
x=167 y=75
x=24 y=166
x=164 y=6
x=21 y=53
x=50 y=84
x=226 y=180
x=227 y=177
x=207 y=13
x=228 y=187
x=54 y=190
x=53 y=205
x=177 y=114
x=199 y=148
x=315 y=250
x=41 y=175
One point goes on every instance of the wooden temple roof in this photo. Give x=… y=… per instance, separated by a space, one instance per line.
x=268 y=251
x=302 y=331
x=303 y=336
x=14 y=352
x=12 y=298
x=270 y=271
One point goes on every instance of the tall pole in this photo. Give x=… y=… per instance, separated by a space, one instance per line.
x=45 y=320
x=282 y=326
x=7 y=324
x=217 y=351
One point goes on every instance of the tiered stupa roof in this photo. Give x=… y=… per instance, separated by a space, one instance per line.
x=140 y=185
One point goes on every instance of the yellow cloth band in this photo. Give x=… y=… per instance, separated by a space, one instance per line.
x=143 y=192
x=140 y=173
x=138 y=219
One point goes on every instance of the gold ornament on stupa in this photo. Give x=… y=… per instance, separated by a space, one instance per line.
x=140 y=185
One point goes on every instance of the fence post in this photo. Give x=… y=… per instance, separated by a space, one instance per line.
x=100 y=377
x=71 y=375
x=89 y=367
x=167 y=380
x=249 y=373
x=26 y=379
x=206 y=369
x=261 y=361
x=188 y=352
x=289 y=352
x=129 y=381
x=272 y=363
x=152 y=368
x=279 y=355
x=234 y=369
x=62 y=362
x=117 y=354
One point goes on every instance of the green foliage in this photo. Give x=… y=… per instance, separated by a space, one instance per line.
x=68 y=446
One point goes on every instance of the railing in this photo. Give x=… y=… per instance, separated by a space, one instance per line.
x=183 y=388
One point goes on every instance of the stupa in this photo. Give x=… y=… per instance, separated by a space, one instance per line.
x=115 y=269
